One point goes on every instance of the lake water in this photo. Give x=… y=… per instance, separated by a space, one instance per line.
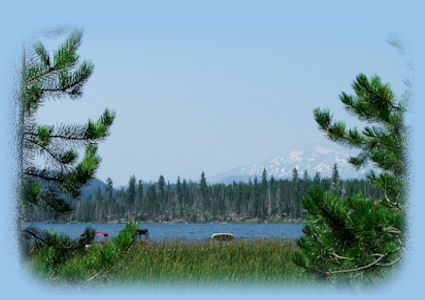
x=187 y=232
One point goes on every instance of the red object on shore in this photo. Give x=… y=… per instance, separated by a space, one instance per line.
x=105 y=234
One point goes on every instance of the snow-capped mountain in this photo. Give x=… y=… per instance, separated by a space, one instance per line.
x=317 y=159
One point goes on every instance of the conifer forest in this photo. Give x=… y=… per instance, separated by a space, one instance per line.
x=264 y=199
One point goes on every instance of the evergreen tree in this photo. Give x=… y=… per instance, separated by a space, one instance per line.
x=187 y=200
x=99 y=205
x=305 y=185
x=255 y=196
x=335 y=174
x=306 y=178
x=237 y=195
x=139 y=195
x=273 y=196
x=316 y=179
x=357 y=235
x=265 y=195
x=203 y=190
x=335 y=182
x=43 y=77
x=109 y=194
x=131 y=195
x=161 y=194
x=179 y=191
x=170 y=206
x=152 y=200
x=296 y=193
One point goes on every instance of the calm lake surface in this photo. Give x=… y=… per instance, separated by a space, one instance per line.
x=187 y=232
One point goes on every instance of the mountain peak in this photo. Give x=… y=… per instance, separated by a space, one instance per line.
x=317 y=159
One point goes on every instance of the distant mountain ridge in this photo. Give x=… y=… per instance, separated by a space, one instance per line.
x=91 y=188
x=318 y=159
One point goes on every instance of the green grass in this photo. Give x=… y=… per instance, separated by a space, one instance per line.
x=256 y=262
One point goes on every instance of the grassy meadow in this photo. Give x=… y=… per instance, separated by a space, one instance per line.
x=254 y=262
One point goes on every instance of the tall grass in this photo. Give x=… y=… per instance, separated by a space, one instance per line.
x=257 y=262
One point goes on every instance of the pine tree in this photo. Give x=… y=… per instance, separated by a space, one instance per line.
x=152 y=200
x=99 y=205
x=179 y=191
x=46 y=77
x=255 y=199
x=203 y=190
x=305 y=185
x=170 y=206
x=131 y=195
x=139 y=196
x=187 y=200
x=357 y=235
x=237 y=195
x=335 y=182
x=316 y=179
x=273 y=194
x=296 y=193
x=109 y=195
x=265 y=195
x=161 y=194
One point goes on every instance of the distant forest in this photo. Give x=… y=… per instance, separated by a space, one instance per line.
x=260 y=200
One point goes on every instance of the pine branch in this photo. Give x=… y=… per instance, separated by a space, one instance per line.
x=41 y=176
x=67 y=158
x=391 y=263
x=341 y=257
x=67 y=49
x=38 y=237
x=49 y=70
x=395 y=204
x=42 y=53
x=54 y=202
x=64 y=137
x=365 y=267
x=358 y=269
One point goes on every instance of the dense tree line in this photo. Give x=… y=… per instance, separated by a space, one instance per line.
x=262 y=199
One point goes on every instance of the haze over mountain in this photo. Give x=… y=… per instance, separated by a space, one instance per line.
x=317 y=159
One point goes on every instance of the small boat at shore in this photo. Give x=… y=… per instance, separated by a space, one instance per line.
x=223 y=237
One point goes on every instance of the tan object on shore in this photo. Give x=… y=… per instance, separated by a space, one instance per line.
x=225 y=237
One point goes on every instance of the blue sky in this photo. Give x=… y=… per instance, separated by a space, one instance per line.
x=210 y=86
